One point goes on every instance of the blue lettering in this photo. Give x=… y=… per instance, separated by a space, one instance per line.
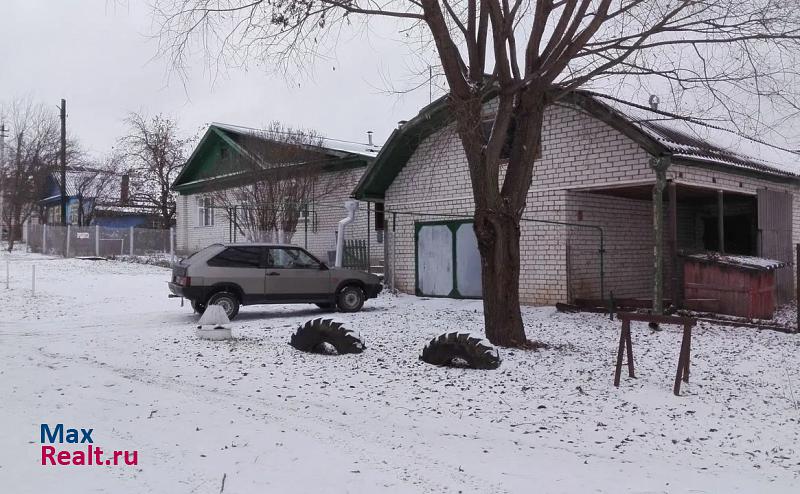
x=50 y=437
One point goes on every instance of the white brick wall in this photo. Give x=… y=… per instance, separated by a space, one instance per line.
x=578 y=152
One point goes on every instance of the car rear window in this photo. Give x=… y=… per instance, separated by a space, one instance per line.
x=237 y=257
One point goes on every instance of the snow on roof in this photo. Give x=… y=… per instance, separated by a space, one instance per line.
x=340 y=145
x=695 y=140
x=746 y=262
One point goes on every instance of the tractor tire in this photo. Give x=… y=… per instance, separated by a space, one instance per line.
x=198 y=307
x=318 y=335
x=461 y=350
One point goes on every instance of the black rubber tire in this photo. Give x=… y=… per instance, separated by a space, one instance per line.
x=229 y=301
x=198 y=307
x=447 y=349
x=350 y=298
x=311 y=337
x=326 y=307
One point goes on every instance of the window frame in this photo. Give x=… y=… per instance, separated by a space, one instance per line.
x=205 y=211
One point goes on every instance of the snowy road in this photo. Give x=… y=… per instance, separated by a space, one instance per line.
x=101 y=346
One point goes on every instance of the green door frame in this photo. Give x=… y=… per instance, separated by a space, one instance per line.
x=453 y=225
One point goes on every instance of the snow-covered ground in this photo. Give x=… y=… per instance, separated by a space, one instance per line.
x=101 y=346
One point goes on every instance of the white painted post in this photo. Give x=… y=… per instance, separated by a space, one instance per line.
x=33 y=281
x=27 y=236
x=8 y=270
x=131 y=241
x=172 y=245
x=69 y=229
x=44 y=239
x=97 y=240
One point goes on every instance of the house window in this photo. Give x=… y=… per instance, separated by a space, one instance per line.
x=307 y=218
x=205 y=211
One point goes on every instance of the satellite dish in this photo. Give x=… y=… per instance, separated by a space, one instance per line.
x=654 y=101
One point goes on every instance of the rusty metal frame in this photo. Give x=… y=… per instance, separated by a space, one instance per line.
x=626 y=345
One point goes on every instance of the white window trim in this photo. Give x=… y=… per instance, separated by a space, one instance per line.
x=205 y=211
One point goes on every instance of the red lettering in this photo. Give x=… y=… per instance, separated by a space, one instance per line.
x=78 y=458
x=97 y=453
x=47 y=454
x=117 y=454
x=63 y=458
x=134 y=460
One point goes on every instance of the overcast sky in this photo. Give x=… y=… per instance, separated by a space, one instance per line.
x=98 y=55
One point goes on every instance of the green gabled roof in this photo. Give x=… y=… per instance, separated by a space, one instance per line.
x=204 y=170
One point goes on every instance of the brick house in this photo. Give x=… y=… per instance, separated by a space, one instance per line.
x=594 y=178
x=229 y=158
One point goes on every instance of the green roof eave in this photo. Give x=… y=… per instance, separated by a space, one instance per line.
x=401 y=146
x=246 y=177
x=187 y=183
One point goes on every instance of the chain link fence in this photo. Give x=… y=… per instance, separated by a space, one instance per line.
x=98 y=241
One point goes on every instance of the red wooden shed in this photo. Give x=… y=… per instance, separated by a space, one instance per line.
x=730 y=284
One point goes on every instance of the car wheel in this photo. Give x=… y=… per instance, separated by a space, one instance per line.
x=198 y=307
x=228 y=301
x=350 y=299
x=326 y=307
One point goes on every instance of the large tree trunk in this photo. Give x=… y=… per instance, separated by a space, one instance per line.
x=498 y=243
x=499 y=208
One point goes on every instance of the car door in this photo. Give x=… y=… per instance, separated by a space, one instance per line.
x=240 y=265
x=293 y=273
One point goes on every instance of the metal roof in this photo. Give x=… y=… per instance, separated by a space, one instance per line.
x=658 y=132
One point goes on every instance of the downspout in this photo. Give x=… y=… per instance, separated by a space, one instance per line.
x=351 y=206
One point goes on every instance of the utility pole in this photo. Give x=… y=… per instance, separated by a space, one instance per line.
x=2 y=171
x=63 y=159
x=2 y=143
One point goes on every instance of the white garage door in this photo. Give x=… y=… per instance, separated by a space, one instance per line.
x=447 y=260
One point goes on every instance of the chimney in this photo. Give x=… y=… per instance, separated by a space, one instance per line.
x=369 y=137
x=124 y=189
x=401 y=123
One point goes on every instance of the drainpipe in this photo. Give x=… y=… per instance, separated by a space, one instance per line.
x=659 y=165
x=351 y=206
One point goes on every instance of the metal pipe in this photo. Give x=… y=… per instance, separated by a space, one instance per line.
x=721 y=221
x=351 y=207
x=394 y=250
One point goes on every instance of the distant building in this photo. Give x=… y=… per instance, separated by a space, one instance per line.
x=95 y=197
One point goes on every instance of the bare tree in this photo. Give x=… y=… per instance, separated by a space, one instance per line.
x=31 y=157
x=156 y=153
x=93 y=184
x=726 y=59
x=283 y=167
